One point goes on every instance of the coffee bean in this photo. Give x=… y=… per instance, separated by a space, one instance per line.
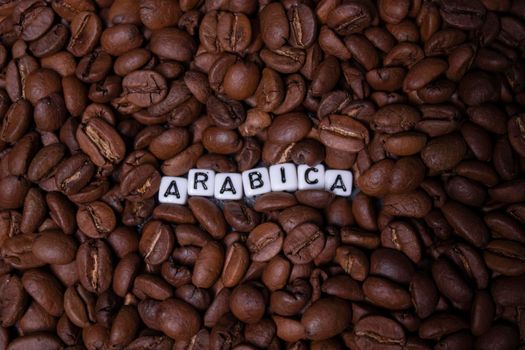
x=209 y=216
x=12 y=300
x=324 y=318
x=275 y=29
x=441 y=324
x=265 y=241
x=353 y=261
x=247 y=303
x=86 y=28
x=96 y=219
x=54 y=247
x=156 y=242
x=208 y=266
x=373 y=331
x=386 y=294
x=459 y=292
x=45 y=290
x=235 y=264
x=466 y=223
x=303 y=243
x=94 y=265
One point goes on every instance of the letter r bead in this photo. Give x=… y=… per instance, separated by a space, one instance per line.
x=201 y=182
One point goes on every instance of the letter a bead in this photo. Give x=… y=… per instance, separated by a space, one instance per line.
x=338 y=182
x=173 y=190
x=228 y=186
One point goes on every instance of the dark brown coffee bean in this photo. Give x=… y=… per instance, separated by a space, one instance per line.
x=391 y=264
x=14 y=190
x=274 y=201
x=16 y=121
x=503 y=256
x=386 y=294
x=181 y=47
x=156 y=242
x=326 y=317
x=424 y=294
x=12 y=299
x=235 y=264
x=285 y=59
x=343 y=133
x=51 y=42
x=441 y=324
x=288 y=128
x=350 y=18
x=54 y=247
x=94 y=265
x=44 y=341
x=464 y=15
x=353 y=261
x=451 y=284
x=275 y=29
x=303 y=243
x=79 y=306
x=209 y=216
x=208 y=266
x=465 y=223
x=45 y=290
x=377 y=331
x=265 y=241
x=412 y=204
x=96 y=219
x=86 y=28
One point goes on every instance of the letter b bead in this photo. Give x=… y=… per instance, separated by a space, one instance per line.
x=256 y=181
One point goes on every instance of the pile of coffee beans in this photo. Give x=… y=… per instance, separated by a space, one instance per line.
x=423 y=100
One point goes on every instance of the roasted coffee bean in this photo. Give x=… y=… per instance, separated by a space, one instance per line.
x=303 y=243
x=265 y=241
x=378 y=331
x=54 y=247
x=96 y=219
x=45 y=289
x=209 y=216
x=94 y=265
x=12 y=300
x=343 y=133
x=326 y=317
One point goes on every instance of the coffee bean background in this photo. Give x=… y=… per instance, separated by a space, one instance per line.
x=424 y=100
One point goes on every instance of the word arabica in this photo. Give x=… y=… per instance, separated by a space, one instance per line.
x=233 y=186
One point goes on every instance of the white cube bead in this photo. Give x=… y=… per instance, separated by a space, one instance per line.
x=283 y=177
x=173 y=190
x=201 y=182
x=310 y=178
x=256 y=181
x=339 y=182
x=228 y=186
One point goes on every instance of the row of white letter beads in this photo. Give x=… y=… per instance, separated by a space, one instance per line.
x=253 y=182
